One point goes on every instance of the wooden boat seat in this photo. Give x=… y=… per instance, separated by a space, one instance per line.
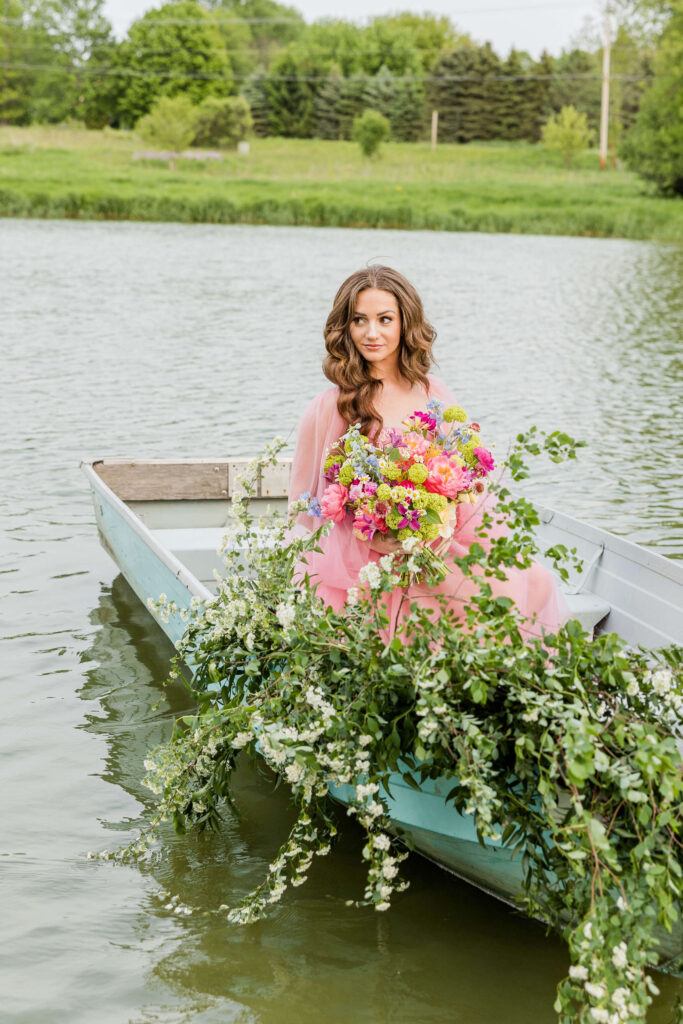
x=196 y=548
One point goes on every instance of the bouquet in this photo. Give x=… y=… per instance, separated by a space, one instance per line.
x=410 y=487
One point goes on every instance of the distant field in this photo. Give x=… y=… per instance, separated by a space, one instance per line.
x=494 y=187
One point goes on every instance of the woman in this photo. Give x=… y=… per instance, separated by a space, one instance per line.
x=378 y=356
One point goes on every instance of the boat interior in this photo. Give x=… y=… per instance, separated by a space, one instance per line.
x=186 y=505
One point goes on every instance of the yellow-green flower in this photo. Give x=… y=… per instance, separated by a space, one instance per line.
x=430 y=531
x=384 y=492
x=346 y=474
x=392 y=471
x=393 y=519
x=418 y=473
x=455 y=412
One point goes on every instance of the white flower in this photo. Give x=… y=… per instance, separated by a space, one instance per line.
x=241 y=740
x=409 y=543
x=389 y=870
x=602 y=1016
x=364 y=741
x=352 y=595
x=661 y=681
x=365 y=790
x=651 y=985
x=294 y=773
x=578 y=972
x=382 y=841
x=386 y=563
x=621 y=903
x=382 y=906
x=588 y=930
x=619 y=958
x=385 y=891
x=597 y=991
x=371 y=575
x=285 y=614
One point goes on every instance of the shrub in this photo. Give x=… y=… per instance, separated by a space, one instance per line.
x=222 y=122
x=170 y=123
x=568 y=133
x=369 y=131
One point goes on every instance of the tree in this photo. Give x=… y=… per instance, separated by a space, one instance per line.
x=448 y=90
x=222 y=122
x=369 y=131
x=14 y=81
x=350 y=104
x=327 y=105
x=174 y=49
x=291 y=88
x=577 y=83
x=268 y=28
x=254 y=92
x=430 y=35
x=61 y=36
x=654 y=146
x=380 y=92
x=170 y=124
x=568 y=133
x=407 y=110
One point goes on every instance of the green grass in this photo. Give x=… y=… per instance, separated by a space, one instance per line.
x=70 y=172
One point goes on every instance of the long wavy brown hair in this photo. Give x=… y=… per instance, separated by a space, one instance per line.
x=349 y=370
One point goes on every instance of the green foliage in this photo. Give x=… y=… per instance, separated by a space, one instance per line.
x=567 y=133
x=14 y=82
x=291 y=93
x=222 y=122
x=254 y=92
x=170 y=123
x=561 y=748
x=369 y=131
x=577 y=83
x=61 y=36
x=654 y=147
x=327 y=119
x=176 y=48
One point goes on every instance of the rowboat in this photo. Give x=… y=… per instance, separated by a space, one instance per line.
x=163 y=521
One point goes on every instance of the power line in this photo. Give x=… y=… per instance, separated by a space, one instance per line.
x=134 y=73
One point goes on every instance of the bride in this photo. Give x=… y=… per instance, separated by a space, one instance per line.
x=379 y=352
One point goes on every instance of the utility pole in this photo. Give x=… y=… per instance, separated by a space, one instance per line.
x=604 y=111
x=435 y=125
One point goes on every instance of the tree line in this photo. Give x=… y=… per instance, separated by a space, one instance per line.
x=59 y=60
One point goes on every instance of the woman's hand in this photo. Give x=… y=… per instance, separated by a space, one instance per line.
x=385 y=543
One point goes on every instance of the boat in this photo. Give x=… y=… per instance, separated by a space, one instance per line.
x=163 y=521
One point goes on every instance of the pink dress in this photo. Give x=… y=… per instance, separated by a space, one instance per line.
x=533 y=590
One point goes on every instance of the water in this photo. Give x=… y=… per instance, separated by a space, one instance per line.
x=169 y=340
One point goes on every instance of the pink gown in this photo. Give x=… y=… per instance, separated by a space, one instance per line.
x=533 y=590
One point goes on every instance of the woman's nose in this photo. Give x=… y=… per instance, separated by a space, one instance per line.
x=372 y=329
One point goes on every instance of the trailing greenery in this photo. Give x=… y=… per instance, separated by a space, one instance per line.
x=501 y=187
x=562 y=749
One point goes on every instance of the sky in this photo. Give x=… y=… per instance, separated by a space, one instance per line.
x=532 y=25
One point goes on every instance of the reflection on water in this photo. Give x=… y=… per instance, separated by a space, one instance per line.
x=170 y=340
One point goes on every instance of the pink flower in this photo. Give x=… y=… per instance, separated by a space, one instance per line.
x=333 y=501
x=485 y=459
x=415 y=443
x=446 y=476
x=361 y=490
x=364 y=525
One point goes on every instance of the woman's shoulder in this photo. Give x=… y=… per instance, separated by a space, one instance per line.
x=323 y=404
x=438 y=389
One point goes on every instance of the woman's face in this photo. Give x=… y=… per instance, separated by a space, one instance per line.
x=376 y=328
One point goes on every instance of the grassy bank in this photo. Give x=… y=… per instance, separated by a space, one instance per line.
x=60 y=172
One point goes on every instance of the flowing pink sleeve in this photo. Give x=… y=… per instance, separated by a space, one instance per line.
x=317 y=424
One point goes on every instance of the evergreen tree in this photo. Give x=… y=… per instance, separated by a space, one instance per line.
x=327 y=105
x=407 y=114
x=480 y=118
x=350 y=103
x=380 y=92
x=577 y=83
x=254 y=92
x=448 y=90
x=538 y=106
x=512 y=98
x=291 y=98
